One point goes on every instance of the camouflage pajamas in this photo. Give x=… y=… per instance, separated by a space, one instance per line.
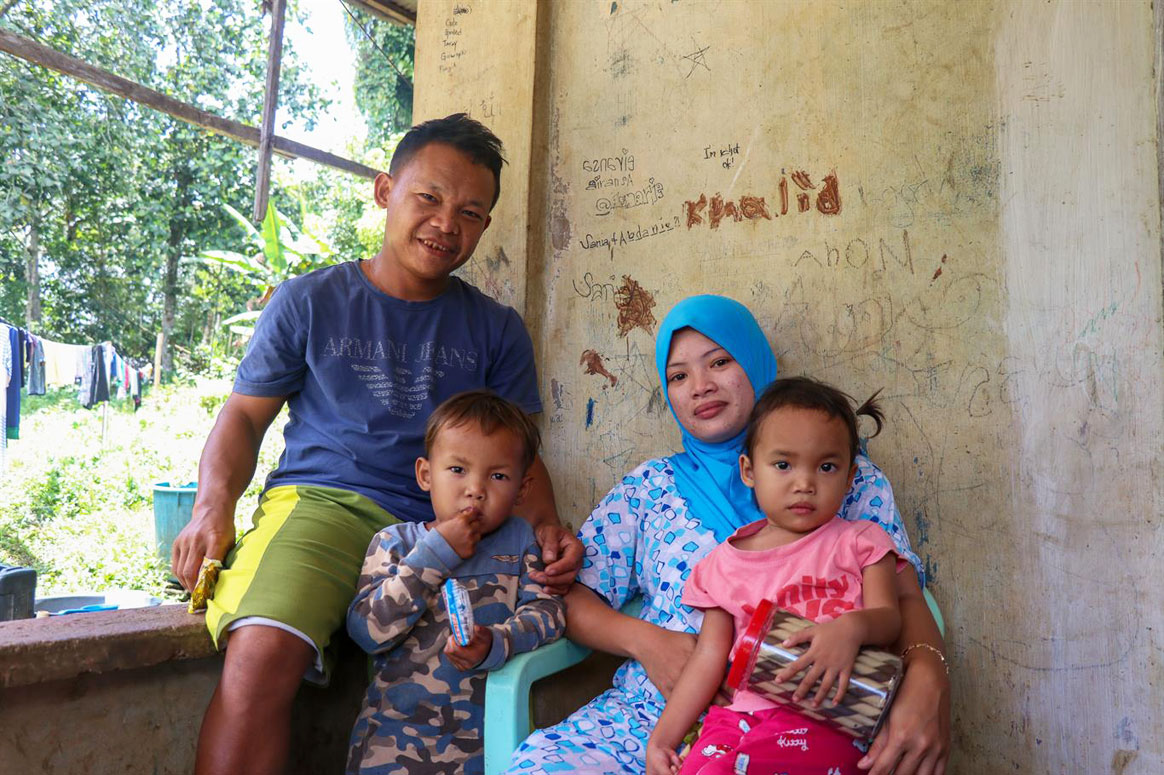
x=421 y=714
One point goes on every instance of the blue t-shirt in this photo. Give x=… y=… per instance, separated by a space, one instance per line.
x=363 y=370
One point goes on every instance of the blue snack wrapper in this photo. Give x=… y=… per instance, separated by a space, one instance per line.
x=460 y=611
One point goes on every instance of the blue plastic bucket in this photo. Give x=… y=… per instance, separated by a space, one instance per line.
x=173 y=505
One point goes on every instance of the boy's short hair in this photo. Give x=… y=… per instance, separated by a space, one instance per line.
x=488 y=411
x=467 y=135
x=808 y=393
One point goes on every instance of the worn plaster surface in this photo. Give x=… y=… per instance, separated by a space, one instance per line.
x=954 y=203
x=494 y=70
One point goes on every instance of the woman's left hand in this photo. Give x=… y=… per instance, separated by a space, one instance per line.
x=915 y=740
x=562 y=553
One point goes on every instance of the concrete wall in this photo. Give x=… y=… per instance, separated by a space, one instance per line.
x=124 y=692
x=980 y=239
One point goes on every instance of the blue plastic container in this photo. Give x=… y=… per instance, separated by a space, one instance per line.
x=173 y=505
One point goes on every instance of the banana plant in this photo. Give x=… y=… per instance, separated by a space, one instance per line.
x=279 y=250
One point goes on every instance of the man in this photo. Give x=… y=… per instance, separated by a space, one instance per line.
x=361 y=352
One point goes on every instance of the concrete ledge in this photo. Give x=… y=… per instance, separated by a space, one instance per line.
x=124 y=691
x=34 y=651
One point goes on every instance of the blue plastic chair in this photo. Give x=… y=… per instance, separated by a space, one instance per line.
x=507 y=690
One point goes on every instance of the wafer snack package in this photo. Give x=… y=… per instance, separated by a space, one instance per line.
x=204 y=586
x=759 y=657
x=460 y=611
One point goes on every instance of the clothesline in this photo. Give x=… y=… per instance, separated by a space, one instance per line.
x=33 y=363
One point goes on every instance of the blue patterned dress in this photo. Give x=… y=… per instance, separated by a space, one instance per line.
x=641 y=540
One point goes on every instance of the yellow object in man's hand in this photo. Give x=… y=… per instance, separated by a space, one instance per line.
x=204 y=587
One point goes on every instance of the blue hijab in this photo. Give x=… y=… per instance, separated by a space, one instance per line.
x=707 y=475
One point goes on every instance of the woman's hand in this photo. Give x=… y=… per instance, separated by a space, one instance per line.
x=915 y=740
x=663 y=654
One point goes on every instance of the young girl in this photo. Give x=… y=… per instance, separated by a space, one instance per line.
x=798 y=459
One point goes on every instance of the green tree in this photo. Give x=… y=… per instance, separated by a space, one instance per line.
x=99 y=197
x=385 y=54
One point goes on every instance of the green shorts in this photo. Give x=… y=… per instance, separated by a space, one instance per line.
x=298 y=566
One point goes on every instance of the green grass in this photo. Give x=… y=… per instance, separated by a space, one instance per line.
x=76 y=494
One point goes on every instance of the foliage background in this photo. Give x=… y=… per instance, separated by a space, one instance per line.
x=81 y=513
x=111 y=201
x=105 y=206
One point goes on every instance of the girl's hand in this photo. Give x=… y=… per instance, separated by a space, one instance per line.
x=468 y=657
x=829 y=658
x=915 y=739
x=661 y=761
x=663 y=655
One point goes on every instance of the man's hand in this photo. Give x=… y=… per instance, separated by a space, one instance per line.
x=915 y=740
x=224 y=470
x=829 y=658
x=468 y=657
x=202 y=537
x=661 y=761
x=463 y=531
x=562 y=554
x=663 y=656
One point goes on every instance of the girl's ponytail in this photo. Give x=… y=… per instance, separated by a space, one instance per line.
x=873 y=409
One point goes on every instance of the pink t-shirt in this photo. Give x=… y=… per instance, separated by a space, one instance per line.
x=818 y=577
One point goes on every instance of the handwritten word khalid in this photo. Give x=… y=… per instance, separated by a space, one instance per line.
x=828 y=202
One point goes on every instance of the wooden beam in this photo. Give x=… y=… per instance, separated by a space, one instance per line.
x=295 y=150
x=270 y=104
x=388 y=11
x=44 y=56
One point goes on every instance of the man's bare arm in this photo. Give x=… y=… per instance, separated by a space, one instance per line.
x=537 y=506
x=224 y=471
x=561 y=550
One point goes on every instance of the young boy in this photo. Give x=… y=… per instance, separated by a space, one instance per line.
x=424 y=711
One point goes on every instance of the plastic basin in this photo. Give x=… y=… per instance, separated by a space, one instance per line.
x=110 y=599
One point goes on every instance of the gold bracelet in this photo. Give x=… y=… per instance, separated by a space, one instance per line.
x=927 y=647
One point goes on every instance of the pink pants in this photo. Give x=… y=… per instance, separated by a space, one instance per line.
x=777 y=741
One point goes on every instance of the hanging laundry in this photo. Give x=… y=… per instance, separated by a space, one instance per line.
x=95 y=384
x=36 y=366
x=117 y=375
x=15 y=340
x=5 y=377
x=135 y=380
x=85 y=387
x=111 y=358
x=62 y=362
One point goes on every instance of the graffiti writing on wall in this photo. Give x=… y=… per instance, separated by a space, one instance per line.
x=626 y=200
x=600 y=181
x=452 y=44
x=725 y=155
x=594 y=290
x=634 y=305
x=592 y=361
x=622 y=237
x=715 y=210
x=622 y=162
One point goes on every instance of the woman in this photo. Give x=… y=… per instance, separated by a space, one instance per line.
x=665 y=516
